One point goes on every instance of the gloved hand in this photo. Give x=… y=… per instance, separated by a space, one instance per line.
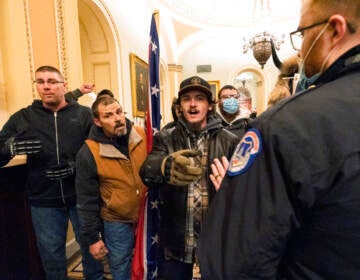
x=182 y=167
x=16 y=146
x=61 y=171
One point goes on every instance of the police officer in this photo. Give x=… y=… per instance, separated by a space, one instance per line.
x=289 y=205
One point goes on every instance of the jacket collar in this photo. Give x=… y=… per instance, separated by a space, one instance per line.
x=110 y=151
x=213 y=124
x=37 y=103
x=107 y=147
x=347 y=63
x=238 y=117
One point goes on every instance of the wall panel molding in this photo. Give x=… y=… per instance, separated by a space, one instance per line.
x=29 y=44
x=61 y=38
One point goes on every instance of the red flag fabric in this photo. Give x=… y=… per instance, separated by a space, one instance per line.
x=149 y=132
x=138 y=265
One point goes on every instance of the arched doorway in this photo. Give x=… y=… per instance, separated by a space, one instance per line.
x=99 y=49
x=251 y=84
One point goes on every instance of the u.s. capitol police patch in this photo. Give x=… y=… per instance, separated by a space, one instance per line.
x=245 y=153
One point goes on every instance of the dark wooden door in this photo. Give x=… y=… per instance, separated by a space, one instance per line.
x=19 y=258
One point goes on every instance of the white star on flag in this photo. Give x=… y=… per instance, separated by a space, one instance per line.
x=154 y=204
x=155 y=239
x=153 y=46
x=155 y=130
x=154 y=274
x=155 y=90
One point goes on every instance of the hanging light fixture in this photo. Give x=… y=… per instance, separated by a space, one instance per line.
x=261 y=46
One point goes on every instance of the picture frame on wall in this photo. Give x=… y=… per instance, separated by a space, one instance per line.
x=139 y=74
x=215 y=87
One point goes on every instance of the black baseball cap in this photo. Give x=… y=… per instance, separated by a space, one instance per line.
x=195 y=83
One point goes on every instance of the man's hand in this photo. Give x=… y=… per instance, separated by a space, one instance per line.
x=218 y=170
x=87 y=88
x=14 y=146
x=182 y=167
x=61 y=171
x=98 y=250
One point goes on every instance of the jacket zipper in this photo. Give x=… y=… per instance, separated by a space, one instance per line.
x=58 y=155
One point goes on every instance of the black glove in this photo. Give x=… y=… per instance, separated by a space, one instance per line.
x=16 y=146
x=61 y=171
x=182 y=167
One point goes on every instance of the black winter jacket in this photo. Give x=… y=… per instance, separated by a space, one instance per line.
x=294 y=213
x=174 y=198
x=238 y=126
x=62 y=134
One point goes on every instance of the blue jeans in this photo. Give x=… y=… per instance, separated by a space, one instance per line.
x=119 y=239
x=50 y=225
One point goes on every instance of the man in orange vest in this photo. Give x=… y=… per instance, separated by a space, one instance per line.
x=108 y=185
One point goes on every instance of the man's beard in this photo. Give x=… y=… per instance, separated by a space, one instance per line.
x=194 y=126
x=123 y=131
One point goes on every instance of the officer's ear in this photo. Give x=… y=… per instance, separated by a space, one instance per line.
x=97 y=122
x=339 y=27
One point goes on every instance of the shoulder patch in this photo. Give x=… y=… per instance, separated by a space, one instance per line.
x=245 y=153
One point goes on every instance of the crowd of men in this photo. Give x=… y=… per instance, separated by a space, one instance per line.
x=275 y=197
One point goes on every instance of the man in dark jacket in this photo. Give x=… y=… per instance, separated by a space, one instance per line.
x=289 y=207
x=229 y=110
x=108 y=185
x=50 y=132
x=179 y=164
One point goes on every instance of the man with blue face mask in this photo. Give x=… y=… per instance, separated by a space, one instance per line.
x=289 y=205
x=229 y=110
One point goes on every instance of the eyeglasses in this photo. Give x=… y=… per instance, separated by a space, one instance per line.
x=226 y=96
x=51 y=82
x=297 y=36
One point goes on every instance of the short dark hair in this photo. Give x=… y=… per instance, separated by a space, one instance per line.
x=174 y=108
x=103 y=99
x=225 y=87
x=48 y=68
x=105 y=92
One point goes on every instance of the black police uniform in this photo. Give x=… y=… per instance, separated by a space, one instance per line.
x=290 y=208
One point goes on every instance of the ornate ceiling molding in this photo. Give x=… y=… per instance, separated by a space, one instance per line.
x=231 y=13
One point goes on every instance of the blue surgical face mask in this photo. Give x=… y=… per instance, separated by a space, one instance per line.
x=304 y=81
x=231 y=105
